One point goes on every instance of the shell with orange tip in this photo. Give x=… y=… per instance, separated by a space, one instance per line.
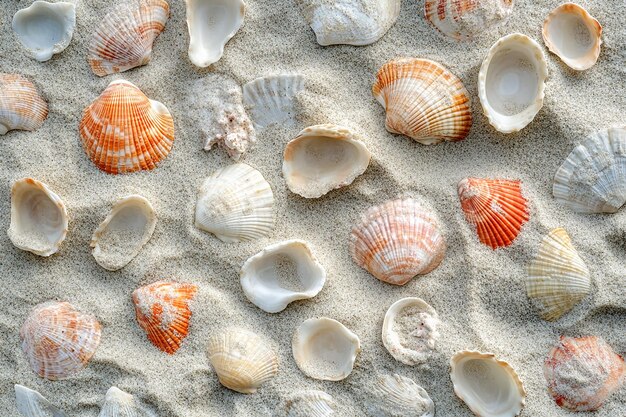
x=21 y=106
x=124 y=131
x=423 y=100
x=59 y=340
x=162 y=310
x=496 y=207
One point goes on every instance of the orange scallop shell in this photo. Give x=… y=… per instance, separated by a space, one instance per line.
x=21 y=106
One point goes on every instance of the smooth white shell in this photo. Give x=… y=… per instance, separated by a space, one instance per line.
x=30 y=403
x=270 y=100
x=309 y=404
x=118 y=403
x=397 y=396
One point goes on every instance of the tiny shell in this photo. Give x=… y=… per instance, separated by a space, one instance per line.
x=30 y=403
x=235 y=133
x=270 y=100
x=118 y=403
x=397 y=396
x=309 y=404
x=21 y=106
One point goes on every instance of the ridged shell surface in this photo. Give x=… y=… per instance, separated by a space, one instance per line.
x=118 y=403
x=270 y=100
x=397 y=396
x=309 y=404
x=21 y=105
x=30 y=403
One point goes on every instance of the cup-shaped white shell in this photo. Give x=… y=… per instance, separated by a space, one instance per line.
x=236 y=204
x=323 y=158
x=121 y=235
x=410 y=330
x=45 y=28
x=21 y=105
x=511 y=82
x=490 y=387
x=397 y=396
x=38 y=218
x=325 y=349
x=118 y=403
x=270 y=100
x=573 y=35
x=310 y=403
x=30 y=403
x=280 y=274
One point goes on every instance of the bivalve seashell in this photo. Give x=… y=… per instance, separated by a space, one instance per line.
x=21 y=105
x=270 y=100
x=118 y=403
x=30 y=403
x=310 y=403
x=397 y=396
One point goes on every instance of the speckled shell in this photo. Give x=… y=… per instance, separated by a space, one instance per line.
x=583 y=372
x=124 y=131
x=21 y=105
x=30 y=403
x=270 y=100
x=118 y=403
x=309 y=404
x=397 y=396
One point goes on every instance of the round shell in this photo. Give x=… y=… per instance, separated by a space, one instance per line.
x=21 y=106
x=118 y=403
x=30 y=403
x=270 y=100
x=309 y=404
x=397 y=396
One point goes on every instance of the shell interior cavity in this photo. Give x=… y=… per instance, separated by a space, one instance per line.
x=397 y=396
x=511 y=82
x=270 y=100
x=21 y=105
x=310 y=403
x=323 y=158
x=30 y=403
x=118 y=403
x=45 y=28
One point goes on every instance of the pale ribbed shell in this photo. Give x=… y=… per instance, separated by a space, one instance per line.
x=118 y=403
x=397 y=396
x=30 y=403
x=423 y=100
x=397 y=241
x=309 y=404
x=270 y=100
x=21 y=106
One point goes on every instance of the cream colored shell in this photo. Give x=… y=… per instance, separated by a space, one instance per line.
x=310 y=403
x=21 y=105
x=270 y=100
x=118 y=403
x=397 y=396
x=30 y=403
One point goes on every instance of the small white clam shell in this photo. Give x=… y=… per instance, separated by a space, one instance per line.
x=397 y=396
x=118 y=403
x=310 y=403
x=30 y=403
x=269 y=100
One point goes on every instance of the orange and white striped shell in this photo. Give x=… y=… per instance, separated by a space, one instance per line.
x=124 y=131
x=496 y=207
x=124 y=38
x=397 y=241
x=21 y=106
x=162 y=310
x=59 y=340
x=423 y=100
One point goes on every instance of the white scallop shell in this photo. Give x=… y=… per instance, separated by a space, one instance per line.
x=30 y=403
x=118 y=403
x=269 y=100
x=309 y=404
x=21 y=105
x=397 y=396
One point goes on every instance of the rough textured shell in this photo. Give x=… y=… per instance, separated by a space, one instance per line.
x=59 y=340
x=397 y=396
x=583 y=372
x=236 y=204
x=162 y=310
x=309 y=404
x=270 y=100
x=242 y=360
x=118 y=403
x=593 y=177
x=323 y=158
x=21 y=106
x=423 y=100
x=496 y=207
x=124 y=38
x=124 y=131
x=30 y=403
x=397 y=241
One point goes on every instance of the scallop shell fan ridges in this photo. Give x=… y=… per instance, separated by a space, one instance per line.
x=397 y=396
x=21 y=105
x=118 y=403
x=31 y=403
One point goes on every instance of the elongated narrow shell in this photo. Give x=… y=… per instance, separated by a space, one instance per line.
x=573 y=35
x=118 y=403
x=270 y=100
x=309 y=404
x=242 y=360
x=397 y=396
x=38 y=218
x=490 y=387
x=30 y=403
x=323 y=158
x=162 y=310
x=423 y=100
x=511 y=82
x=583 y=372
x=397 y=241
x=236 y=204
x=124 y=38
x=496 y=207
x=59 y=340
x=124 y=131
x=21 y=106
x=593 y=177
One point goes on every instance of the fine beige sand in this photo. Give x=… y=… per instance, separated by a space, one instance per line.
x=478 y=293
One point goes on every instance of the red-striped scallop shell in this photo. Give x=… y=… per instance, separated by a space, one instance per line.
x=21 y=106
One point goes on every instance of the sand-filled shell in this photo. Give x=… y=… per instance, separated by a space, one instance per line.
x=593 y=177
x=59 y=340
x=21 y=105
x=558 y=278
x=423 y=101
x=118 y=403
x=511 y=82
x=410 y=330
x=397 y=396
x=325 y=349
x=397 y=240
x=236 y=204
x=162 y=310
x=490 y=387
x=573 y=35
x=583 y=372
x=30 y=403
x=280 y=274
x=124 y=37
x=38 y=218
x=270 y=100
x=124 y=131
x=323 y=158
x=242 y=360
x=310 y=403
x=496 y=207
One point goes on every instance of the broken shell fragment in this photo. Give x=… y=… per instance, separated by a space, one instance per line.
x=21 y=105
x=118 y=403
x=309 y=404
x=30 y=403
x=397 y=396
x=270 y=100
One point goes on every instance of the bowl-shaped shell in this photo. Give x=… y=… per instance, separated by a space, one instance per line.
x=30 y=403
x=280 y=274
x=118 y=403
x=270 y=100
x=59 y=340
x=325 y=349
x=573 y=35
x=310 y=403
x=21 y=105
x=511 y=82
x=397 y=396
x=397 y=241
x=583 y=372
x=323 y=158
x=38 y=218
x=490 y=387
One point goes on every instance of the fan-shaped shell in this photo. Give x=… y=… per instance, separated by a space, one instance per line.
x=397 y=240
x=270 y=100
x=423 y=100
x=397 y=396
x=236 y=204
x=162 y=310
x=21 y=106
x=593 y=177
x=496 y=207
x=124 y=131
x=583 y=372
x=309 y=404
x=59 y=340
x=124 y=38
x=30 y=403
x=118 y=403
